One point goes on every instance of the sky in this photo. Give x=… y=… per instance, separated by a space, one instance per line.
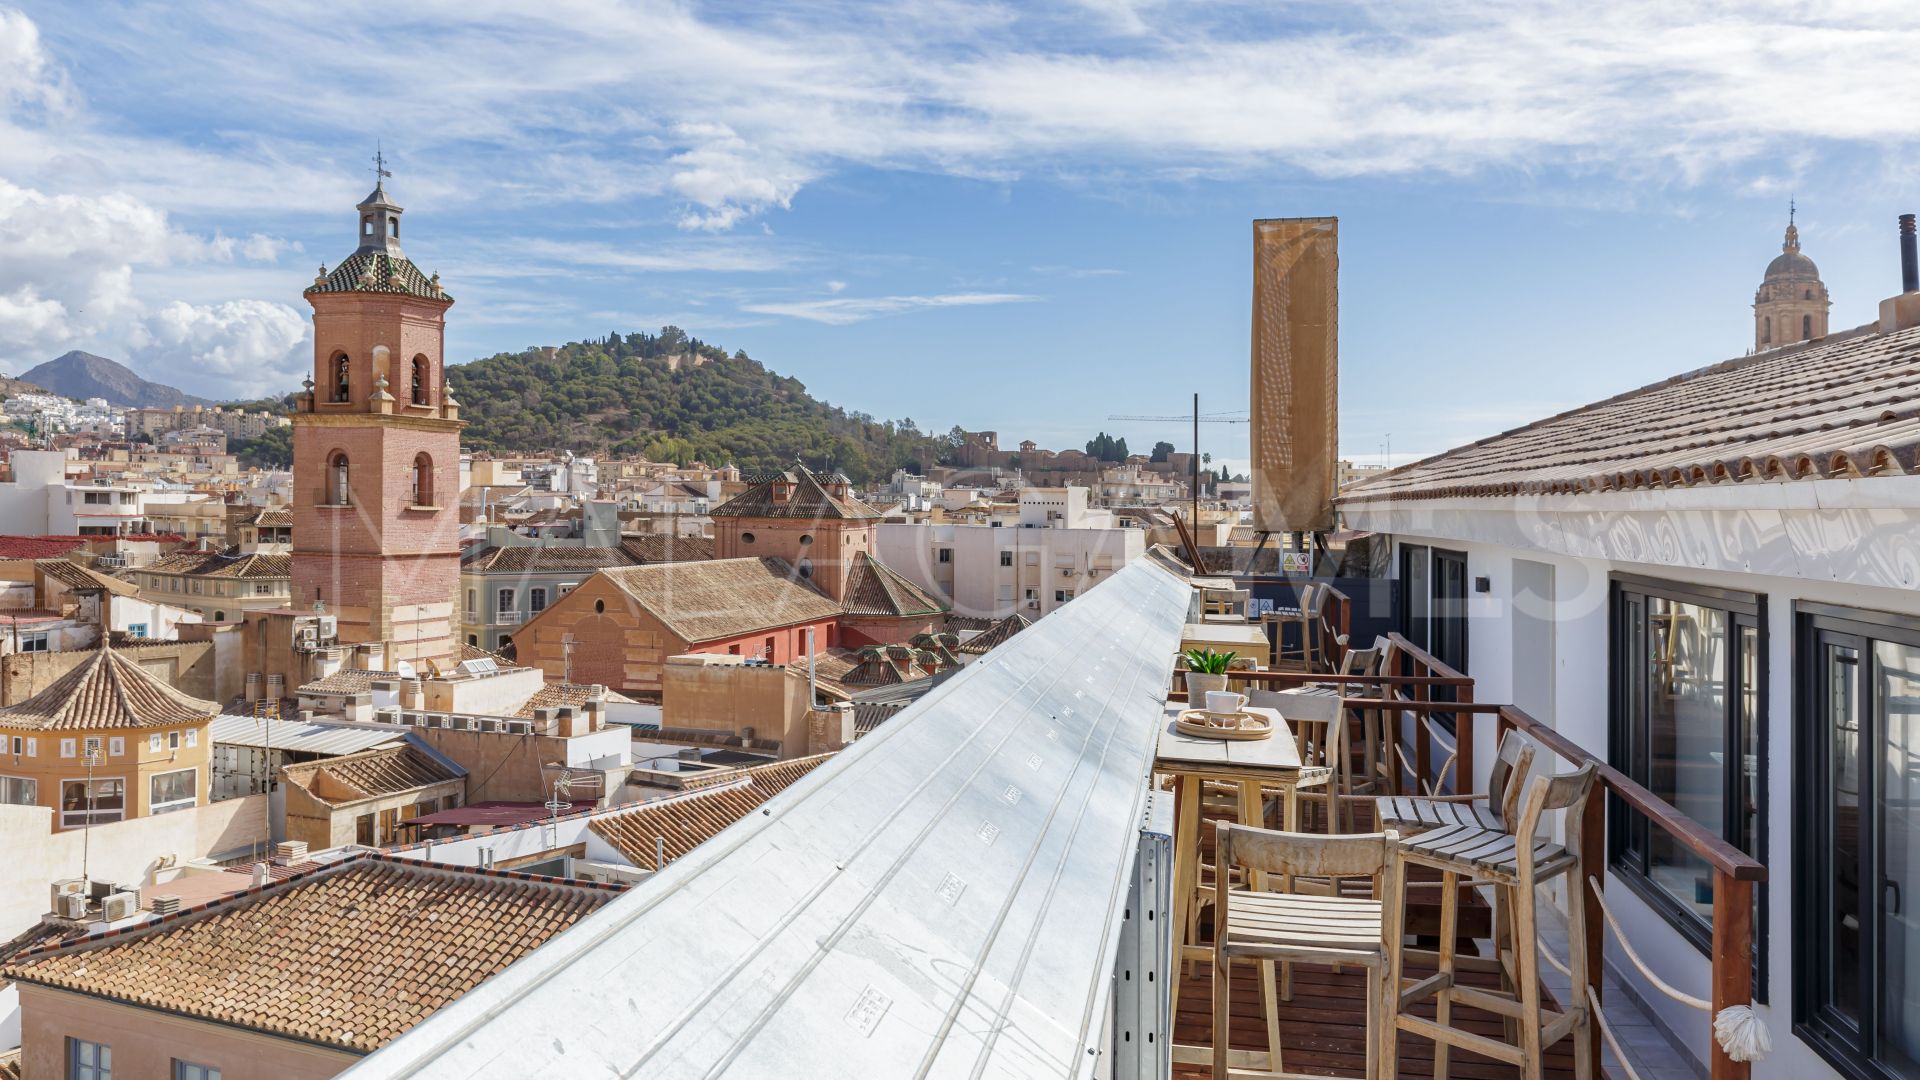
x=1024 y=218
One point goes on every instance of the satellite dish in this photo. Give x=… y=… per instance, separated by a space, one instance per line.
x=404 y=669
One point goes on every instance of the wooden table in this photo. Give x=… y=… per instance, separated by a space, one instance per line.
x=1269 y=763
x=1239 y=637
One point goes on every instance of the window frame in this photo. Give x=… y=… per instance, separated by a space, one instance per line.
x=155 y=807
x=101 y=1067
x=1850 y=1049
x=193 y=1070
x=97 y=815
x=1627 y=830
x=32 y=787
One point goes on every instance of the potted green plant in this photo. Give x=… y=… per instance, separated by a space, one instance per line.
x=1206 y=670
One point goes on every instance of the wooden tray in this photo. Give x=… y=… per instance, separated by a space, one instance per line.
x=1194 y=722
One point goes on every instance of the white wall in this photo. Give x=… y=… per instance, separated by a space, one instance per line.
x=977 y=585
x=1837 y=542
x=142 y=851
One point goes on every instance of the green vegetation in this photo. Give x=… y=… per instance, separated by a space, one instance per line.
x=1207 y=662
x=272 y=450
x=1161 y=451
x=620 y=395
x=1104 y=447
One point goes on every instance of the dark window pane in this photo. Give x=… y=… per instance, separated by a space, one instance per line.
x=1896 y=703
x=1843 y=830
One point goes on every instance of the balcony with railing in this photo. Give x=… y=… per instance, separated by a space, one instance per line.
x=1412 y=726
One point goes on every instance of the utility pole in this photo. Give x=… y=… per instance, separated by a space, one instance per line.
x=1195 y=464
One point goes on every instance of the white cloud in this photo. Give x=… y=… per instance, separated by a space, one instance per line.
x=836 y=286
x=245 y=348
x=72 y=269
x=728 y=113
x=852 y=309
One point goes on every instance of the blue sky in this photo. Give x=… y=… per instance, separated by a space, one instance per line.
x=1020 y=218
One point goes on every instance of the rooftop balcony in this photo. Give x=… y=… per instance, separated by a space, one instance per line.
x=1428 y=718
x=991 y=883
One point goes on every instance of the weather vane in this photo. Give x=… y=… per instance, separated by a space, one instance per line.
x=1789 y=210
x=379 y=165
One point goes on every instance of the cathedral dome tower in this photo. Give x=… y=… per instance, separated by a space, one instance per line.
x=1791 y=303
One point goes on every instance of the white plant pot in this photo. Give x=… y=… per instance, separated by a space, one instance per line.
x=1198 y=684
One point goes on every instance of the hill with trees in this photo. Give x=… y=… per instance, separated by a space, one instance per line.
x=673 y=398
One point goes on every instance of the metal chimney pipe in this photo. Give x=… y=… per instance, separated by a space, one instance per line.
x=1909 y=260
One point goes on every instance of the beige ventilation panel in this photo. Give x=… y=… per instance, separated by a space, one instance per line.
x=1295 y=433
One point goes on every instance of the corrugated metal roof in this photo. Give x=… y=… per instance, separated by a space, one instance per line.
x=294 y=735
x=943 y=898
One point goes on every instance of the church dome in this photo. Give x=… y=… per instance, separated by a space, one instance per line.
x=1791 y=264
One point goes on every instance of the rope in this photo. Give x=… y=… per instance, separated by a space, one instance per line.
x=1737 y=1028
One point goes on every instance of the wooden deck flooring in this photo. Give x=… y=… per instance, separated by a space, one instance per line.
x=1322 y=1028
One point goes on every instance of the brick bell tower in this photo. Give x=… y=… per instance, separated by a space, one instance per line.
x=376 y=450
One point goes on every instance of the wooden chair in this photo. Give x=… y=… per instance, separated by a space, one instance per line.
x=1306 y=619
x=1270 y=927
x=1514 y=863
x=1411 y=814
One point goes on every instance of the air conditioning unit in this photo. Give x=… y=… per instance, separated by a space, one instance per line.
x=67 y=887
x=71 y=906
x=121 y=905
x=519 y=727
x=460 y=723
x=1033 y=605
x=489 y=724
x=329 y=627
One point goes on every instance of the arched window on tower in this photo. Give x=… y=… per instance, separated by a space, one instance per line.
x=338 y=489
x=1766 y=330
x=422 y=480
x=1809 y=294
x=1806 y=328
x=394 y=224
x=342 y=382
x=420 y=376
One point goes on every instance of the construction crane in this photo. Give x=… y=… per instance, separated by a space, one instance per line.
x=1210 y=418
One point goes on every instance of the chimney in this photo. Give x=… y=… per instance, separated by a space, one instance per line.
x=1903 y=311
x=290 y=852
x=260 y=874
x=1909 y=261
x=163 y=905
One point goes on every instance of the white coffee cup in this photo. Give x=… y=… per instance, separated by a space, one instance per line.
x=1225 y=701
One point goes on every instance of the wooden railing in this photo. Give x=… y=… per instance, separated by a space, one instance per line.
x=1407 y=689
x=1734 y=875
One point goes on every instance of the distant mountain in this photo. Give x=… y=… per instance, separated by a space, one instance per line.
x=83 y=375
x=11 y=386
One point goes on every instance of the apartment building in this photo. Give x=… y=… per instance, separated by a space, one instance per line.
x=991 y=571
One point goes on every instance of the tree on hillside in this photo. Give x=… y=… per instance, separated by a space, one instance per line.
x=1104 y=447
x=1162 y=450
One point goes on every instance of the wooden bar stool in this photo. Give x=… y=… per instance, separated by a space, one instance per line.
x=1514 y=862
x=1269 y=927
x=1411 y=814
x=1306 y=618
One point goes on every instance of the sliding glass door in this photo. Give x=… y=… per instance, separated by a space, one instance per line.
x=1859 y=864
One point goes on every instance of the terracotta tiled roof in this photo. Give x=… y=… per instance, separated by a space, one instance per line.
x=378 y=271
x=1844 y=406
x=221 y=564
x=106 y=691
x=553 y=695
x=722 y=598
x=371 y=774
x=475 y=652
x=75 y=576
x=348 y=955
x=542 y=560
x=659 y=549
x=347 y=682
x=265 y=517
x=38 y=547
x=687 y=821
x=810 y=499
x=873 y=588
x=868 y=715
x=993 y=635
